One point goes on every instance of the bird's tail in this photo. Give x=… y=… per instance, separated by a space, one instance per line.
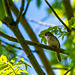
x=58 y=57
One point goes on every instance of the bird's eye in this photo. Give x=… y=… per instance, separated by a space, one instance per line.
x=45 y=34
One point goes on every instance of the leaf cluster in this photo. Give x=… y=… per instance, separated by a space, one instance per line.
x=72 y=22
x=58 y=7
x=54 y=30
x=12 y=67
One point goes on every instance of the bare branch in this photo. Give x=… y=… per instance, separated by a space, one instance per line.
x=8 y=37
x=60 y=68
x=11 y=45
x=57 y=16
x=26 y=9
x=42 y=23
x=20 y=13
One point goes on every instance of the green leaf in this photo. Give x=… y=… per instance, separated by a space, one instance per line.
x=62 y=37
x=50 y=28
x=3 y=66
x=72 y=22
x=2 y=10
x=38 y=3
x=55 y=27
x=45 y=41
x=29 y=0
x=42 y=39
x=48 y=10
x=22 y=62
x=43 y=32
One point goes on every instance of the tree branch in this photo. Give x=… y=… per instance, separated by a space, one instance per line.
x=26 y=9
x=60 y=68
x=57 y=16
x=11 y=45
x=20 y=13
x=41 y=23
x=34 y=44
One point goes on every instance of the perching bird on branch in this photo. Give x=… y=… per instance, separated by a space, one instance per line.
x=53 y=42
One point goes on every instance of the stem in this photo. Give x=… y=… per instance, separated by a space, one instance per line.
x=26 y=9
x=57 y=16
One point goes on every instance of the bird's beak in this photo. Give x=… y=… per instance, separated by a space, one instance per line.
x=43 y=35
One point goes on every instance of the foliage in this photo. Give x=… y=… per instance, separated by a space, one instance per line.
x=70 y=46
x=9 y=53
x=72 y=23
x=58 y=7
x=11 y=67
x=57 y=31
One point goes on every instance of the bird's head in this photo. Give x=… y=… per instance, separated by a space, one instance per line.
x=47 y=34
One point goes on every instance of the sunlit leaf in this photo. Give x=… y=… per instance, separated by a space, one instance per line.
x=7 y=67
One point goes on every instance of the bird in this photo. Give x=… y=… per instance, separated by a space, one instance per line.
x=53 y=42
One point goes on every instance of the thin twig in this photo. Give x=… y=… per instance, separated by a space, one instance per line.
x=67 y=71
x=11 y=45
x=57 y=16
x=26 y=9
x=55 y=68
x=41 y=23
x=34 y=44
x=60 y=68
x=20 y=13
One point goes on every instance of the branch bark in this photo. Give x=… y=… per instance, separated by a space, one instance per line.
x=26 y=9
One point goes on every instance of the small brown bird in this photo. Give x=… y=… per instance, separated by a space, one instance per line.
x=53 y=42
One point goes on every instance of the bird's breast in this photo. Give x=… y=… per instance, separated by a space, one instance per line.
x=52 y=41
